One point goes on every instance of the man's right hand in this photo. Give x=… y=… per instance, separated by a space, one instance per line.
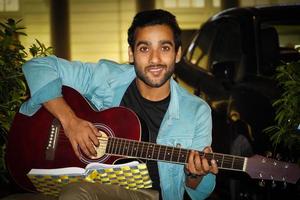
x=81 y=133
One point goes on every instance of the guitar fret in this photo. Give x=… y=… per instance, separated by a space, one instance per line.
x=178 y=156
x=147 y=150
x=127 y=148
x=222 y=160
x=141 y=154
x=115 y=146
x=227 y=162
x=108 y=146
x=161 y=155
x=122 y=146
x=137 y=148
x=157 y=157
x=149 y=154
x=233 y=159
x=118 y=147
x=112 y=146
x=219 y=159
x=167 y=154
x=239 y=163
x=132 y=148
x=172 y=154
x=155 y=152
x=183 y=156
x=186 y=156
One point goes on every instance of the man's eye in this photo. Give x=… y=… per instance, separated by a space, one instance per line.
x=144 y=49
x=166 y=48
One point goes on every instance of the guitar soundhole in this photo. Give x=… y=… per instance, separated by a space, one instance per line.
x=101 y=157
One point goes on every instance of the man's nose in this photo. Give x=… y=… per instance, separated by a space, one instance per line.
x=155 y=57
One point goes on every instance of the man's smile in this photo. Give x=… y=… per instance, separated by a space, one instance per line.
x=156 y=70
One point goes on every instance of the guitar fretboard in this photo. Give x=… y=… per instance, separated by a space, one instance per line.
x=151 y=151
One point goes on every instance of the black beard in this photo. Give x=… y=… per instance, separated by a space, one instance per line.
x=141 y=75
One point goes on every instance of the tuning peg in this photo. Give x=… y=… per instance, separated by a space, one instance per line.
x=284 y=185
x=273 y=184
x=262 y=183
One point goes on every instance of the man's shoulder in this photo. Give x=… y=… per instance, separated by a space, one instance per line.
x=112 y=65
x=189 y=98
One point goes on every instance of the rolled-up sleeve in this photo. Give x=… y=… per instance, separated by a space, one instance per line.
x=45 y=77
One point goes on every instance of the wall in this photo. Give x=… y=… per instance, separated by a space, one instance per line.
x=99 y=27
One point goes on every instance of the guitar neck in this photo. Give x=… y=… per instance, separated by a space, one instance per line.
x=151 y=151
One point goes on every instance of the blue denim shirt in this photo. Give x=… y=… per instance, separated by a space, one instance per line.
x=187 y=121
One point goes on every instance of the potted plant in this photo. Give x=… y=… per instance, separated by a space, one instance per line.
x=13 y=89
x=285 y=134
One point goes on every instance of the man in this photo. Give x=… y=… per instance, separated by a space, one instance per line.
x=174 y=117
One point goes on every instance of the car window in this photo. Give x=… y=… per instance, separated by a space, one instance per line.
x=218 y=41
x=198 y=57
x=198 y=50
x=278 y=45
x=289 y=35
x=227 y=43
x=289 y=42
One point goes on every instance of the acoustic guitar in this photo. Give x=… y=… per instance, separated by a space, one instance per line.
x=39 y=142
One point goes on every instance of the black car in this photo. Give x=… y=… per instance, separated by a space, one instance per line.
x=231 y=62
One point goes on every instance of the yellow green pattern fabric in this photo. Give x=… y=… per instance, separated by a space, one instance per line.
x=130 y=177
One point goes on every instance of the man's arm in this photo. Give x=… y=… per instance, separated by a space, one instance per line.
x=198 y=166
x=81 y=133
x=46 y=75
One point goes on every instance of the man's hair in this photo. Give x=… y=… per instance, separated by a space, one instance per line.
x=154 y=17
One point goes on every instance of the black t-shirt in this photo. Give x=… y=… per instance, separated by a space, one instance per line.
x=151 y=114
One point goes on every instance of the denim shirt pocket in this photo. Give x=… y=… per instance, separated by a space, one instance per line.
x=177 y=141
x=171 y=174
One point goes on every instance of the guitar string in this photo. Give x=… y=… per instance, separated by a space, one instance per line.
x=132 y=142
x=177 y=154
x=137 y=143
x=136 y=149
x=226 y=159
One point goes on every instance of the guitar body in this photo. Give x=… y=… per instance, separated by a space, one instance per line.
x=39 y=142
x=29 y=137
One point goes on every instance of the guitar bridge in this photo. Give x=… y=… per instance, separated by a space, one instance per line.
x=52 y=139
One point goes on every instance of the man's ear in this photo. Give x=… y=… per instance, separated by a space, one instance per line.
x=178 y=55
x=130 y=55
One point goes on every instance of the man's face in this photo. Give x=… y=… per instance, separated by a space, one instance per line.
x=154 y=54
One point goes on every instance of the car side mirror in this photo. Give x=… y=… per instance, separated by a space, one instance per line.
x=224 y=71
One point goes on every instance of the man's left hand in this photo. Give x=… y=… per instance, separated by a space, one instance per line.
x=199 y=165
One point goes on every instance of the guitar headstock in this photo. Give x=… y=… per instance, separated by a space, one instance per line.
x=259 y=167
